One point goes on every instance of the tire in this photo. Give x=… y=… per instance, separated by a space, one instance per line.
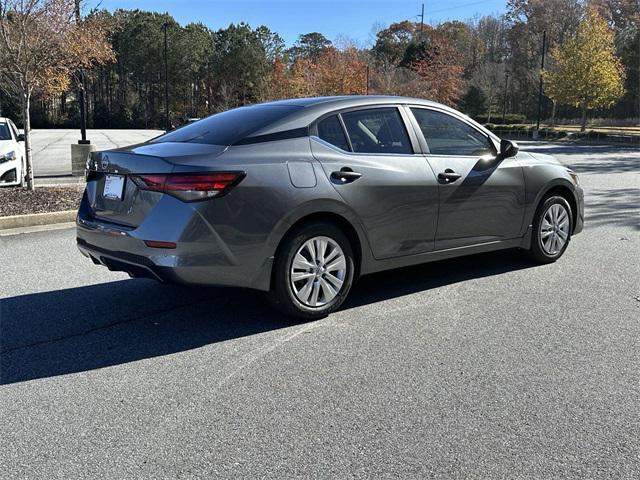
x=315 y=283
x=552 y=222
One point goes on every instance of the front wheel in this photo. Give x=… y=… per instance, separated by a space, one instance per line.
x=552 y=226
x=313 y=272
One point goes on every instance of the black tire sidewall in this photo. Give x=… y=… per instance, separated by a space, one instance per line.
x=537 y=249
x=282 y=294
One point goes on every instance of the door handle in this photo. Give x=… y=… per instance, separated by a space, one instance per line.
x=345 y=175
x=448 y=176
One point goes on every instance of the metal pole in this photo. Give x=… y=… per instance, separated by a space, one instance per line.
x=166 y=79
x=504 y=99
x=81 y=98
x=544 y=47
x=421 y=21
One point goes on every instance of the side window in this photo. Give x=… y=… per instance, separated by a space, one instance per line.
x=330 y=130
x=446 y=135
x=378 y=130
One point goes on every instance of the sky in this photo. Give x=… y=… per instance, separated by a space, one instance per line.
x=354 y=19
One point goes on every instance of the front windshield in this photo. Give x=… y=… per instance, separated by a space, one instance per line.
x=4 y=132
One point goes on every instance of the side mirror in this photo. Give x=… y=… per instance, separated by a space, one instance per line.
x=21 y=137
x=508 y=148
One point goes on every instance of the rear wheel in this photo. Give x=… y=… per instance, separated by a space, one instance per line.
x=313 y=271
x=552 y=226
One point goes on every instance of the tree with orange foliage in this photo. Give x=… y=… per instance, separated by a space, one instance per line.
x=341 y=72
x=440 y=69
x=334 y=72
x=41 y=46
x=303 y=78
x=278 y=84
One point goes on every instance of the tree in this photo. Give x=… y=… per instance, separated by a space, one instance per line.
x=41 y=45
x=196 y=46
x=440 y=69
x=620 y=14
x=310 y=46
x=628 y=42
x=341 y=72
x=278 y=82
x=489 y=78
x=240 y=65
x=392 y=42
x=334 y=72
x=527 y=20
x=587 y=73
x=272 y=43
x=474 y=102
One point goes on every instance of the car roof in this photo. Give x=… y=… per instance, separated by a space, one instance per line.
x=348 y=100
x=311 y=108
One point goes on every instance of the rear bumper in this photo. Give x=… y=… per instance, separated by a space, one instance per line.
x=135 y=265
x=202 y=259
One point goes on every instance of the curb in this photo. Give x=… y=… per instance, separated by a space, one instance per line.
x=37 y=219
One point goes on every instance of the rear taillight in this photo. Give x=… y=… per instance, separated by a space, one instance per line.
x=190 y=187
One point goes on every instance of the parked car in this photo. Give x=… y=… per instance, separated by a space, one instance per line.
x=299 y=198
x=12 y=161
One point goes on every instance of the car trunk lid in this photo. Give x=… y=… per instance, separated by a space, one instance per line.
x=112 y=194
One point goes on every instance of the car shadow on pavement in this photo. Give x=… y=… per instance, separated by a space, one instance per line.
x=405 y=281
x=80 y=329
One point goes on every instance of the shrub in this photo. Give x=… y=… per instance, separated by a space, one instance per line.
x=509 y=119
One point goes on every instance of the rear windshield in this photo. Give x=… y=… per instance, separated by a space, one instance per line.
x=227 y=128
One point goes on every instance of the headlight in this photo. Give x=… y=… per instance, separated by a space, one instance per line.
x=574 y=177
x=7 y=157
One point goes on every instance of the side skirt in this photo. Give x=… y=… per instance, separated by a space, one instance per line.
x=399 y=262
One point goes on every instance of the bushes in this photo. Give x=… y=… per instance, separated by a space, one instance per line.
x=509 y=119
x=525 y=131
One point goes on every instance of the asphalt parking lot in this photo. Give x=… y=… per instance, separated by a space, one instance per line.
x=482 y=367
x=52 y=147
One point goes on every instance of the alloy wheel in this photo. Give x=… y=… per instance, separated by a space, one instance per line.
x=554 y=229
x=318 y=271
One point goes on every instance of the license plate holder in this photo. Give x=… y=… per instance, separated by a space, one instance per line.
x=113 y=187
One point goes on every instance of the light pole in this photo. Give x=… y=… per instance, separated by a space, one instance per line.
x=81 y=150
x=81 y=100
x=504 y=98
x=166 y=79
x=544 y=47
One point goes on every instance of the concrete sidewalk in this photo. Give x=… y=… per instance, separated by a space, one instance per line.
x=52 y=147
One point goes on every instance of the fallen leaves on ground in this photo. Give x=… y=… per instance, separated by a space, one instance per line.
x=20 y=201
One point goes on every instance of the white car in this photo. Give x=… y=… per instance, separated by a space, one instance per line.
x=12 y=161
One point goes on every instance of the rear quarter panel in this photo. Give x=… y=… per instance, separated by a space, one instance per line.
x=254 y=217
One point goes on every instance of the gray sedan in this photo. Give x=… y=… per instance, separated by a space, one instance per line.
x=300 y=197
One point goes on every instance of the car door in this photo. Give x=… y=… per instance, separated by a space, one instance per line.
x=368 y=155
x=481 y=197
